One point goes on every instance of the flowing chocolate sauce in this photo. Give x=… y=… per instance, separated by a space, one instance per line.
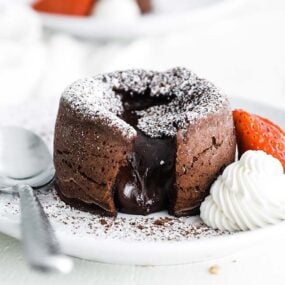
x=145 y=182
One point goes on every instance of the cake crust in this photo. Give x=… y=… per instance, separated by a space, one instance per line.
x=203 y=151
x=85 y=170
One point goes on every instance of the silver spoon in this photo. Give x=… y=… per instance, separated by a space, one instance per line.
x=26 y=165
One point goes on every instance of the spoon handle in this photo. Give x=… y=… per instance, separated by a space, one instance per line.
x=41 y=248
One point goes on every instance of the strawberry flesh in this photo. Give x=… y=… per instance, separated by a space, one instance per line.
x=258 y=133
x=66 y=7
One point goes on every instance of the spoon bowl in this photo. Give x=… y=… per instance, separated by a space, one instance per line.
x=24 y=158
x=26 y=164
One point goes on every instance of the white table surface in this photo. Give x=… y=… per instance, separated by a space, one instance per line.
x=243 y=53
x=263 y=264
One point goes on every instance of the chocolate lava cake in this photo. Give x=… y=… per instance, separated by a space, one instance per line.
x=141 y=141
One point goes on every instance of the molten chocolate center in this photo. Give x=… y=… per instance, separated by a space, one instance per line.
x=143 y=185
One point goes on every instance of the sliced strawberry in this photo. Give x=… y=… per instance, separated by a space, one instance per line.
x=257 y=133
x=67 y=7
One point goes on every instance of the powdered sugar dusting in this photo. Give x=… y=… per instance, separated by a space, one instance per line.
x=95 y=99
x=157 y=227
x=190 y=99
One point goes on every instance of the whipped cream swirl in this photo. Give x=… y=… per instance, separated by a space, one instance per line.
x=249 y=194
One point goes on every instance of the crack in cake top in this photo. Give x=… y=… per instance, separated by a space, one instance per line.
x=191 y=98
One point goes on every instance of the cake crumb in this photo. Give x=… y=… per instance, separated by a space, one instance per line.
x=103 y=222
x=214 y=270
x=140 y=227
x=159 y=222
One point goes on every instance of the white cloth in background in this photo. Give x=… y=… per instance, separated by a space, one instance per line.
x=70 y=59
x=22 y=53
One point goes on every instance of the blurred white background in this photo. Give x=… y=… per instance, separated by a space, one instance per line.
x=241 y=51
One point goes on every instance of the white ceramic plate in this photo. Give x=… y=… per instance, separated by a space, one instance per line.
x=194 y=14
x=154 y=240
